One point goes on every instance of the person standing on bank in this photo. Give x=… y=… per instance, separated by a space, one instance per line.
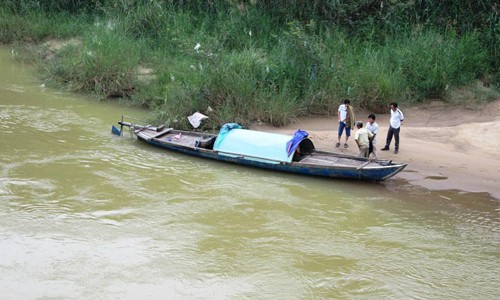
x=346 y=120
x=397 y=119
x=362 y=138
x=372 y=126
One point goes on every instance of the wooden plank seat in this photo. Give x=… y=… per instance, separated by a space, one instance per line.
x=163 y=132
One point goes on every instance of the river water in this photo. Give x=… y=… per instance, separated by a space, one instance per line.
x=88 y=215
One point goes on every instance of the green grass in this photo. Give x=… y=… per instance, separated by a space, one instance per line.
x=250 y=65
x=104 y=64
x=36 y=26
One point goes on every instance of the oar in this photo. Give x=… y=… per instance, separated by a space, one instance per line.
x=115 y=130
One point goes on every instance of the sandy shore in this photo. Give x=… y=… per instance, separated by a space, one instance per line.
x=445 y=147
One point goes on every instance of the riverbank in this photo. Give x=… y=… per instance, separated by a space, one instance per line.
x=446 y=148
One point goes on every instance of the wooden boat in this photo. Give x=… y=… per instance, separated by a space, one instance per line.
x=279 y=152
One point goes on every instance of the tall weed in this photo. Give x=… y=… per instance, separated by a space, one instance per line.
x=431 y=62
x=105 y=64
x=41 y=26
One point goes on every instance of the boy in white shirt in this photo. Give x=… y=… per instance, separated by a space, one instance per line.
x=372 y=126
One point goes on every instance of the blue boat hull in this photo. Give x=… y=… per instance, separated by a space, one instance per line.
x=372 y=174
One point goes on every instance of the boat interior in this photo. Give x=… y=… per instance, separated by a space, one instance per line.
x=186 y=138
x=206 y=141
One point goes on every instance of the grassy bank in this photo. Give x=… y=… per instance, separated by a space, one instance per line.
x=246 y=64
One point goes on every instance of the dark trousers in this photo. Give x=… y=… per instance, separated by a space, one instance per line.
x=392 y=132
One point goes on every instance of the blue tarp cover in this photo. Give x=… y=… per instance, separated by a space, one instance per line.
x=256 y=145
x=224 y=131
x=292 y=144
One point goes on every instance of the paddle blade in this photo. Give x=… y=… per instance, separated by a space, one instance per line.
x=115 y=130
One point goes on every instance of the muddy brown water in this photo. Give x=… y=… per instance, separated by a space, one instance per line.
x=87 y=215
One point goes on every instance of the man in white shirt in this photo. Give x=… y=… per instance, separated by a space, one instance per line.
x=397 y=119
x=344 y=117
x=362 y=138
x=372 y=126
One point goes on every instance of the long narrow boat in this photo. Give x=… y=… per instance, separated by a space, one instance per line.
x=279 y=152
